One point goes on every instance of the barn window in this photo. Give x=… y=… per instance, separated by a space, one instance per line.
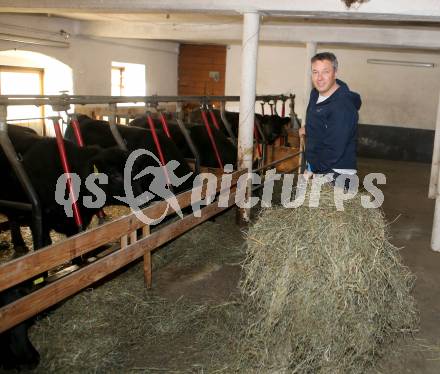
x=118 y=80
x=16 y=80
x=128 y=80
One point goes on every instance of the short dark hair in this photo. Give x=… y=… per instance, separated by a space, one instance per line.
x=326 y=56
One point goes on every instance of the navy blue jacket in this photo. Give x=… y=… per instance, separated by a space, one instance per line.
x=332 y=130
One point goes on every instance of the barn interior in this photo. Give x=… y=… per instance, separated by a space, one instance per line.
x=388 y=52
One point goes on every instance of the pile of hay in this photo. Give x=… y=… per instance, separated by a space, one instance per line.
x=325 y=290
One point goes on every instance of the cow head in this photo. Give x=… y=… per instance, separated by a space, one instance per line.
x=274 y=127
x=111 y=162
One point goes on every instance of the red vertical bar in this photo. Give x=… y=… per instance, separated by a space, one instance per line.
x=262 y=108
x=271 y=109
x=213 y=119
x=77 y=132
x=66 y=168
x=283 y=109
x=163 y=120
x=256 y=139
x=211 y=138
x=158 y=147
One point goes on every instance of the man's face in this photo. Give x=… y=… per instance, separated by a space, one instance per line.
x=323 y=76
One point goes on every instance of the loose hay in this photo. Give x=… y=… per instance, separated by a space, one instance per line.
x=325 y=290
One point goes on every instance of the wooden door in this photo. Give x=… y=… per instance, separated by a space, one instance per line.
x=202 y=69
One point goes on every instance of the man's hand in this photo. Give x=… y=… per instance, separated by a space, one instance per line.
x=308 y=174
x=302 y=131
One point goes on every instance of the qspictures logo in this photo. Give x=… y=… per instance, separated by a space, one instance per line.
x=164 y=181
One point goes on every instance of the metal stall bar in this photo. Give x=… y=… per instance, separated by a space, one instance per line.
x=75 y=125
x=76 y=130
x=158 y=147
x=211 y=139
x=114 y=129
x=257 y=141
x=164 y=123
x=35 y=206
x=213 y=119
x=226 y=123
x=64 y=100
x=66 y=168
x=283 y=107
x=191 y=145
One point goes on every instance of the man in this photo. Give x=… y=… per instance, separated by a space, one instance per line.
x=332 y=117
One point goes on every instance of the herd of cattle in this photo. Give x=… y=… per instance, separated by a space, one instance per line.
x=40 y=159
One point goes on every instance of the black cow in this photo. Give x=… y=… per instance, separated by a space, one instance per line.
x=42 y=164
x=273 y=126
x=200 y=138
x=16 y=350
x=96 y=132
x=41 y=161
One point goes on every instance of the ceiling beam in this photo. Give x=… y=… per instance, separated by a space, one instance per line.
x=419 y=38
x=405 y=10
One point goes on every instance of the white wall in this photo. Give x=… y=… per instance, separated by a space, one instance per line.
x=90 y=58
x=280 y=70
x=392 y=95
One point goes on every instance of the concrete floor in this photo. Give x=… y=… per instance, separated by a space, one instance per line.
x=407 y=206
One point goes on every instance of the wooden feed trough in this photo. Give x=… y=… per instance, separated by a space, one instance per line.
x=131 y=248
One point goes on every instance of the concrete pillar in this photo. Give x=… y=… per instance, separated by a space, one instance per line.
x=311 y=48
x=310 y=52
x=434 y=185
x=251 y=28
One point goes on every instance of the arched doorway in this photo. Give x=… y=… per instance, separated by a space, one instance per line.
x=26 y=72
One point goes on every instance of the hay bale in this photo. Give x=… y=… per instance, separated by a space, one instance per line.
x=324 y=290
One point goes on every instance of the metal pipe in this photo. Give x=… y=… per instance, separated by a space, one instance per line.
x=66 y=100
x=213 y=119
x=158 y=148
x=163 y=120
x=75 y=125
x=226 y=123
x=8 y=149
x=66 y=169
x=191 y=145
x=115 y=132
x=257 y=142
x=77 y=131
x=251 y=28
x=16 y=205
x=211 y=139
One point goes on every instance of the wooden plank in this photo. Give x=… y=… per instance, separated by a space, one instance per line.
x=148 y=273
x=124 y=241
x=36 y=302
x=32 y=264
x=133 y=237
x=145 y=231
